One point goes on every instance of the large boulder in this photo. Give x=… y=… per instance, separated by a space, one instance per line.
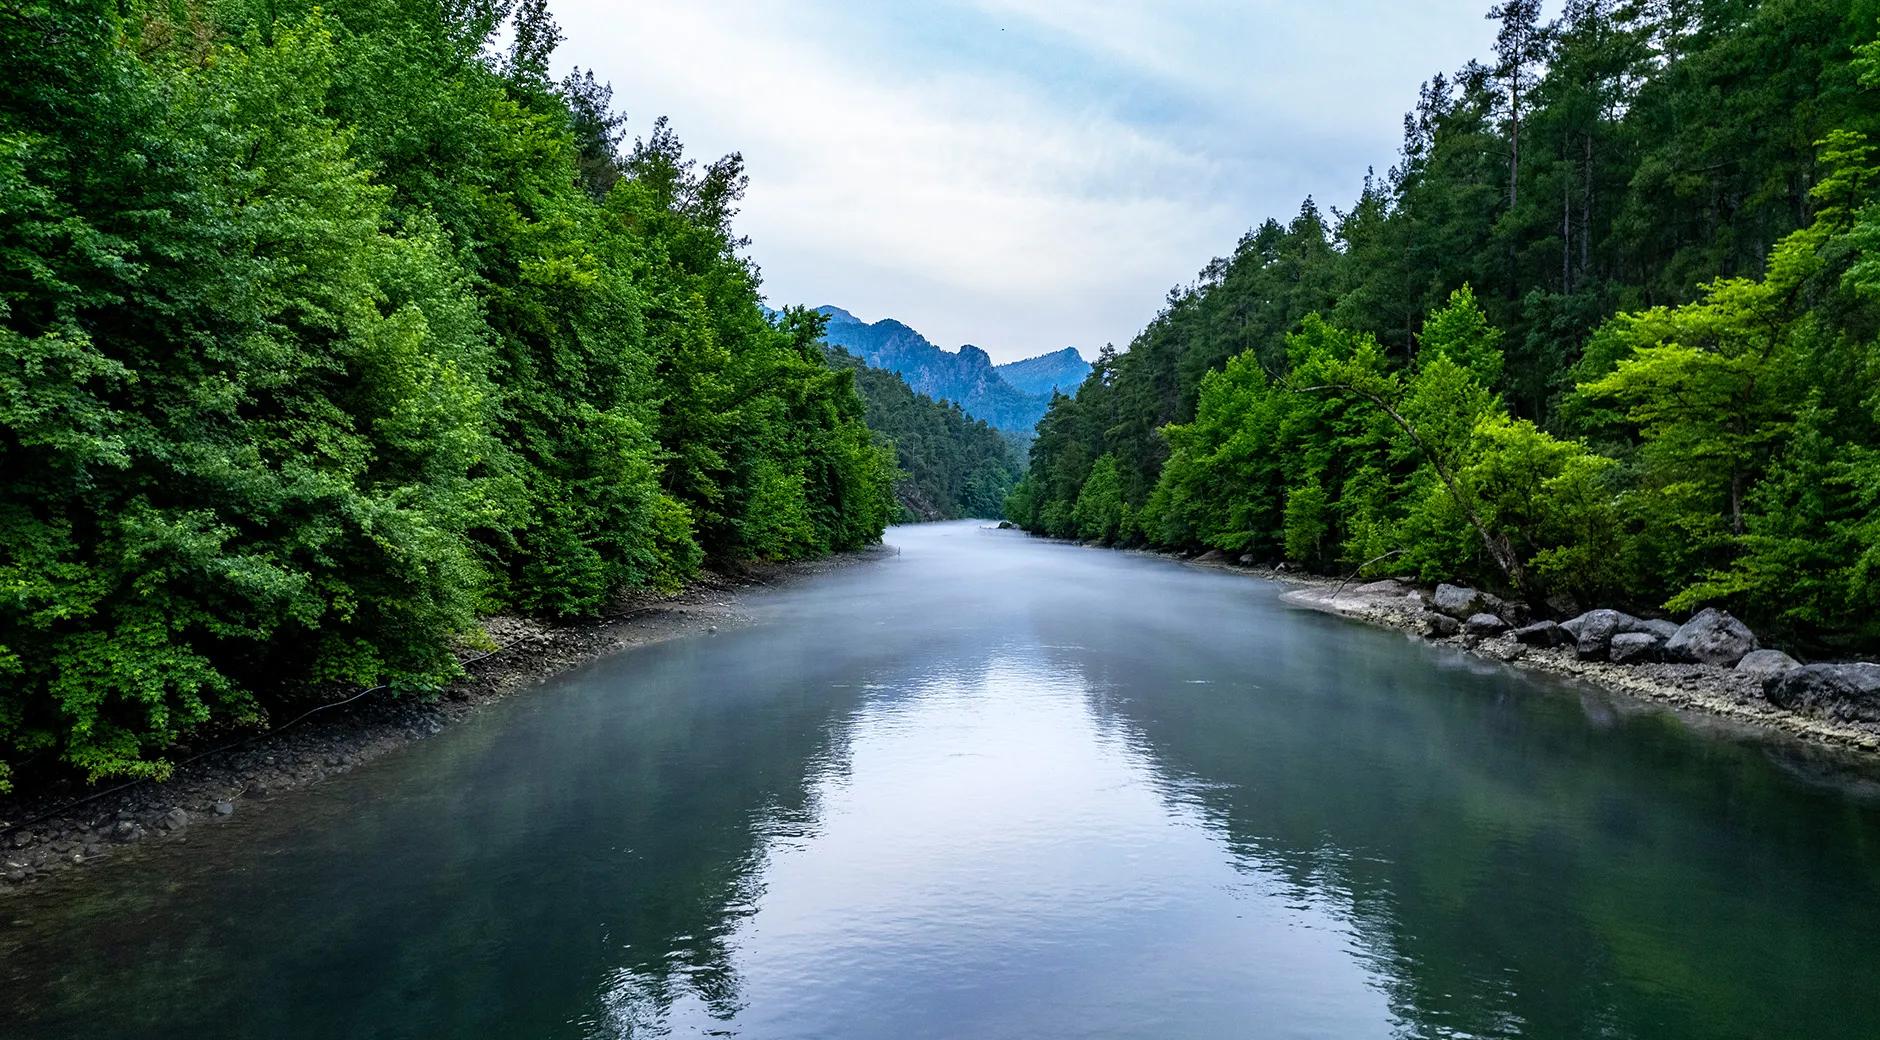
x=1593 y=631
x=1440 y=626
x=1766 y=662
x=1661 y=628
x=1712 y=637
x=1458 y=601
x=1635 y=648
x=1850 y=692
x=1484 y=625
x=1543 y=633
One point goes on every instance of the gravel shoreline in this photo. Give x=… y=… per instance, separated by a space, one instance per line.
x=1723 y=693
x=49 y=832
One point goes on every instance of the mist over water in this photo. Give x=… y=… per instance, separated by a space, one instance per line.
x=998 y=787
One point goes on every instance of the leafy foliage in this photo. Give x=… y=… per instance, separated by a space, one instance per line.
x=1592 y=339
x=951 y=464
x=326 y=330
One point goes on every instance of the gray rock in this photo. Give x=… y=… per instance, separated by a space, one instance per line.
x=1501 y=649
x=224 y=808
x=1712 y=637
x=1850 y=692
x=1440 y=626
x=1661 y=628
x=1766 y=662
x=1247 y=560
x=1593 y=631
x=124 y=831
x=1543 y=633
x=1635 y=648
x=1386 y=587
x=1484 y=625
x=1458 y=601
x=21 y=839
x=174 y=820
x=1006 y=525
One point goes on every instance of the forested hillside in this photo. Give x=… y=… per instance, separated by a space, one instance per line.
x=326 y=329
x=952 y=465
x=1608 y=331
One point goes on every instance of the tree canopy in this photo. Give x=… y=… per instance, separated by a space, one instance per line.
x=327 y=329
x=1606 y=332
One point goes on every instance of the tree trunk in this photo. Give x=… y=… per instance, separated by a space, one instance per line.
x=1566 y=238
x=1586 y=211
x=1514 y=140
x=1499 y=548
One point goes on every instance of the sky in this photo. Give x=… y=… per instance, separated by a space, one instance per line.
x=1020 y=174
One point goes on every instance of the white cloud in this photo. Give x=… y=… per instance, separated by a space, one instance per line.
x=987 y=173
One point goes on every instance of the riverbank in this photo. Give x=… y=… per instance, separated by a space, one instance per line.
x=51 y=831
x=1722 y=693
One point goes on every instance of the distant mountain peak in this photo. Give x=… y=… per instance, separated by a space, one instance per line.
x=1061 y=371
x=967 y=377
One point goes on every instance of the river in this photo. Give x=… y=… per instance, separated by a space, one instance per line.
x=997 y=787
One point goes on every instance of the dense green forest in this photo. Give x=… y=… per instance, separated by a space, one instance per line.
x=327 y=329
x=952 y=465
x=1608 y=333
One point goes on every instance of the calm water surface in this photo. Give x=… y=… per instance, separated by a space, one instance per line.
x=995 y=787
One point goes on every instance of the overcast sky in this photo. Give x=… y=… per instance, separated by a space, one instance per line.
x=1020 y=174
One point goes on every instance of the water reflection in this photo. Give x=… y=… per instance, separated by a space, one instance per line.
x=1002 y=788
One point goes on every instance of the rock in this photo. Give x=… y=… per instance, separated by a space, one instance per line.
x=1661 y=628
x=1387 y=587
x=1850 y=692
x=124 y=831
x=1484 y=625
x=224 y=808
x=21 y=839
x=1458 y=601
x=1502 y=649
x=1247 y=560
x=1212 y=556
x=1440 y=626
x=174 y=820
x=1635 y=648
x=1006 y=525
x=256 y=790
x=1593 y=631
x=1543 y=633
x=1766 y=662
x=1712 y=637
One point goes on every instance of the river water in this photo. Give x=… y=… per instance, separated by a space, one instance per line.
x=996 y=787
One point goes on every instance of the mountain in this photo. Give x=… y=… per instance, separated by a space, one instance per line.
x=966 y=377
x=1062 y=371
x=952 y=465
